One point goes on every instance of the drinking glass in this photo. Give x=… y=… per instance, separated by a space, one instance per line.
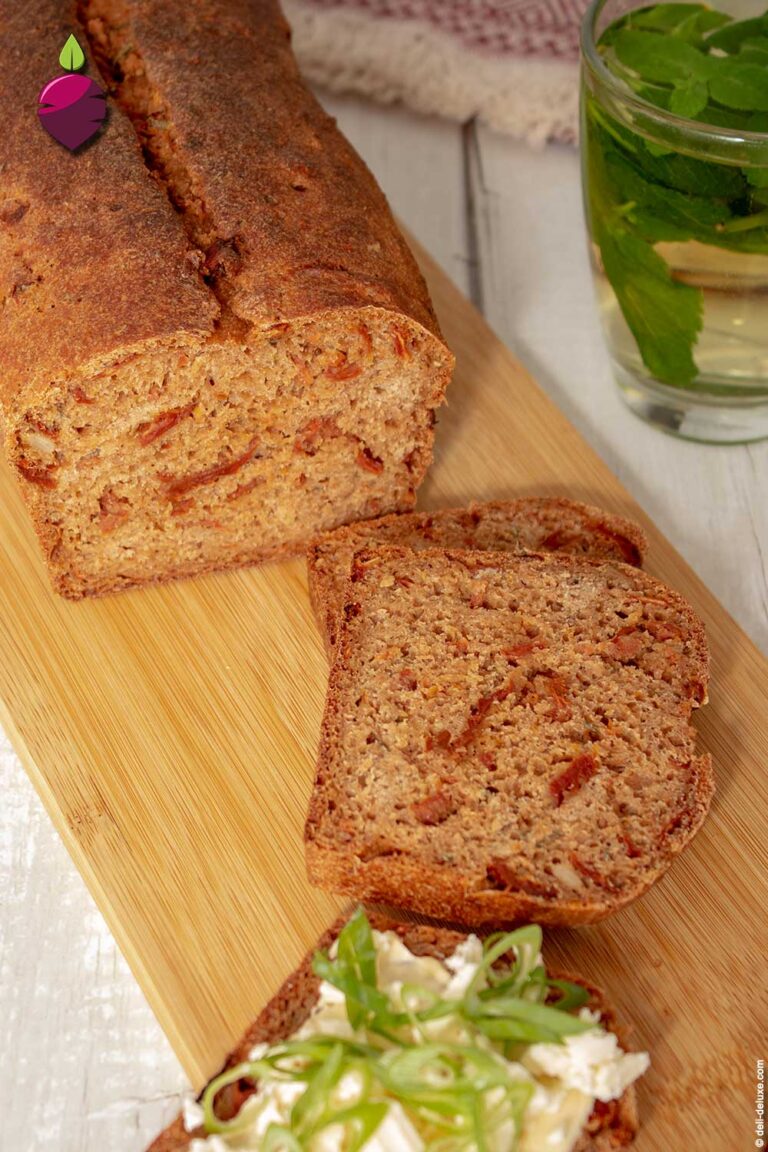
x=677 y=216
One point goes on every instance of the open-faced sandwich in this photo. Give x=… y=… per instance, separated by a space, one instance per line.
x=401 y=1038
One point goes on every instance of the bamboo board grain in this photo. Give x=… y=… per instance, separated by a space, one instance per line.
x=171 y=735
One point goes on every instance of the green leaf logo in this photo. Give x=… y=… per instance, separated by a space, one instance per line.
x=71 y=57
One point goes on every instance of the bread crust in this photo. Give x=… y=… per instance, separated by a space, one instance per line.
x=84 y=233
x=338 y=863
x=547 y=523
x=274 y=179
x=610 y=1126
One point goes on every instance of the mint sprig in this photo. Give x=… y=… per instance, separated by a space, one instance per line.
x=704 y=66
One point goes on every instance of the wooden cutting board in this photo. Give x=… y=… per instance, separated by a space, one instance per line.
x=171 y=734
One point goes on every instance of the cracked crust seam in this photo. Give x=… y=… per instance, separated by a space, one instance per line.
x=123 y=69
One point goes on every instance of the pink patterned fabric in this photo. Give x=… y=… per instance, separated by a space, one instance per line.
x=508 y=64
x=544 y=28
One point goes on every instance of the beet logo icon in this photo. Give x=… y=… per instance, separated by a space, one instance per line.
x=72 y=108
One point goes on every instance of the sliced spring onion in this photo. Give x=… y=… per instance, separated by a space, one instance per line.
x=242 y=1120
x=573 y=995
x=312 y=1105
x=278 y=1138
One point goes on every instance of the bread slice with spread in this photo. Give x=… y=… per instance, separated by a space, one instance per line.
x=402 y=1038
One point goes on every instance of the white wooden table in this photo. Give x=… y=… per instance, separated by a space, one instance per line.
x=84 y=1066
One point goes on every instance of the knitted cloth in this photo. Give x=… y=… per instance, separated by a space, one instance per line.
x=512 y=64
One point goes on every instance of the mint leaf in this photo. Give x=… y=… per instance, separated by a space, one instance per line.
x=697 y=177
x=721 y=117
x=666 y=17
x=662 y=214
x=731 y=36
x=691 y=214
x=71 y=56
x=686 y=21
x=654 y=95
x=694 y=27
x=654 y=228
x=660 y=58
x=656 y=149
x=689 y=98
x=740 y=86
x=754 y=50
x=663 y=315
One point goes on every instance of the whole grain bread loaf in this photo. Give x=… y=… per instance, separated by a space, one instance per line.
x=215 y=341
x=612 y=1125
x=507 y=737
x=528 y=524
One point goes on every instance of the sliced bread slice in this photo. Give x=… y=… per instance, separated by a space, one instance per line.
x=611 y=1125
x=529 y=524
x=507 y=737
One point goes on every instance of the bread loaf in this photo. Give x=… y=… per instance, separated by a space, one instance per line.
x=529 y=524
x=215 y=341
x=612 y=1125
x=507 y=737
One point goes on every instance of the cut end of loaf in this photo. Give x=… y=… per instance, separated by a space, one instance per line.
x=193 y=455
x=507 y=737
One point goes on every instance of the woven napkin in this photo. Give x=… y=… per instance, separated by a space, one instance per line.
x=512 y=64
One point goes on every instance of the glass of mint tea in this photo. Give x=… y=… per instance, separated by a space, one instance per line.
x=674 y=108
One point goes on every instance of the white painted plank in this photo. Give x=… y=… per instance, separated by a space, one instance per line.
x=83 y=1063
x=537 y=294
